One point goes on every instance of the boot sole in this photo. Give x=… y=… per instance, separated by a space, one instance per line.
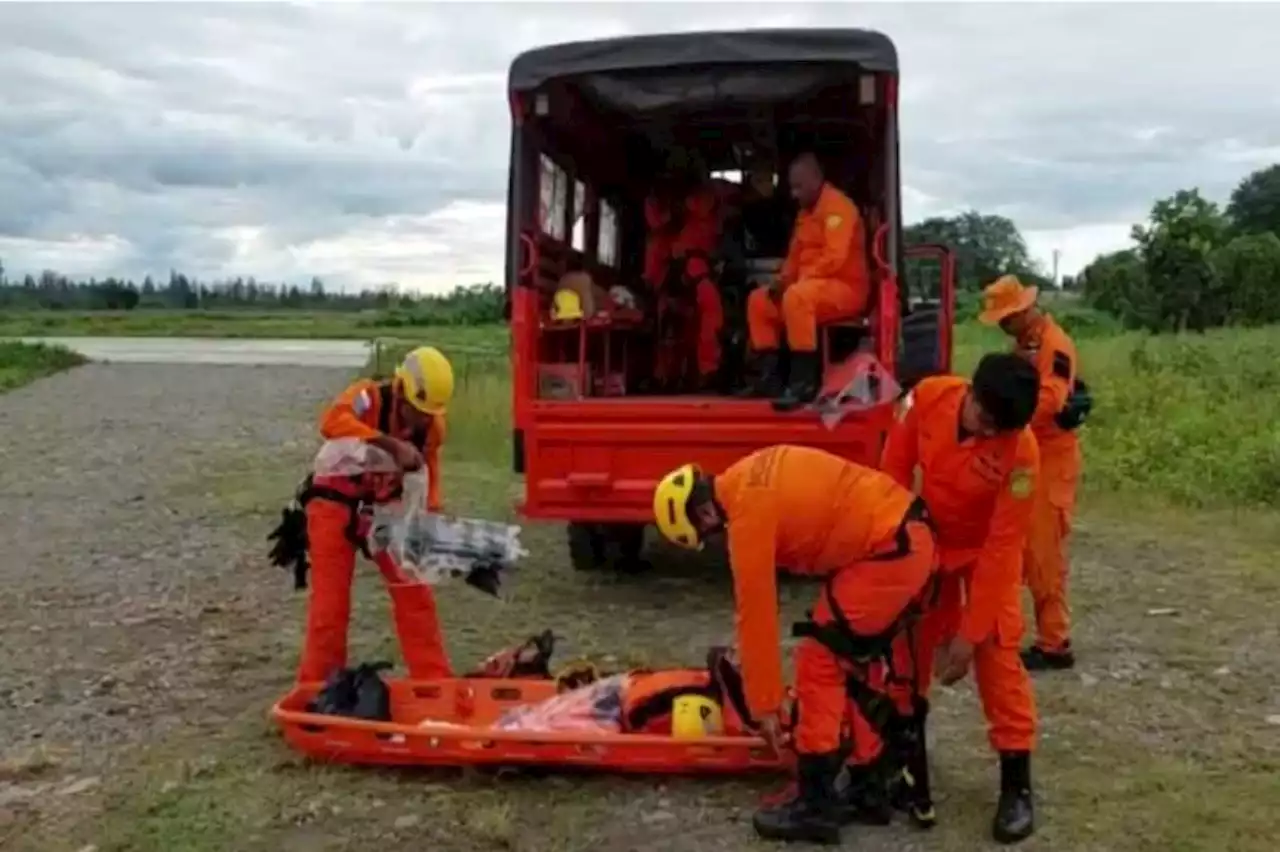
x=1009 y=839
x=820 y=836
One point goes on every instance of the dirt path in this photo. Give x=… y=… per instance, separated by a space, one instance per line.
x=115 y=587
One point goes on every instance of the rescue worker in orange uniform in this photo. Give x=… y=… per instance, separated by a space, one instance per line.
x=405 y=417
x=1010 y=305
x=703 y=330
x=823 y=279
x=853 y=527
x=683 y=228
x=978 y=466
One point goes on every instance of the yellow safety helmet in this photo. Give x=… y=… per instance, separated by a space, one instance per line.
x=671 y=507
x=566 y=305
x=694 y=717
x=426 y=380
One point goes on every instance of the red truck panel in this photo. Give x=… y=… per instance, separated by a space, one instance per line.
x=599 y=460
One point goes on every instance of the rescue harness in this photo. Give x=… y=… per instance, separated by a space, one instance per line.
x=902 y=734
x=353 y=492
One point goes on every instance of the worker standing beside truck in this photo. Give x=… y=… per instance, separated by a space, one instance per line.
x=824 y=278
x=870 y=541
x=405 y=417
x=1059 y=410
x=978 y=464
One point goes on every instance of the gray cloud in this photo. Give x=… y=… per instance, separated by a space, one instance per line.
x=367 y=143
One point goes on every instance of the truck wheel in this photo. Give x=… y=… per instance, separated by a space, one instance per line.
x=593 y=545
x=586 y=546
x=629 y=539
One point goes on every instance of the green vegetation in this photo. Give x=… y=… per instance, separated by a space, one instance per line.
x=22 y=363
x=1194 y=266
x=229 y=324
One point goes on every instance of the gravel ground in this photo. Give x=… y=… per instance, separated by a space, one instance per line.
x=117 y=583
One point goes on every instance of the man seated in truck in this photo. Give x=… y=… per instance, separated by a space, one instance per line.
x=823 y=279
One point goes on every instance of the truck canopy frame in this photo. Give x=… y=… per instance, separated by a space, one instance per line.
x=637 y=75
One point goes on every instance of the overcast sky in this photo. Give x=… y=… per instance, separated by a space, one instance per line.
x=367 y=143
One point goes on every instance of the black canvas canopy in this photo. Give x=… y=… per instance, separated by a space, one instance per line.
x=645 y=73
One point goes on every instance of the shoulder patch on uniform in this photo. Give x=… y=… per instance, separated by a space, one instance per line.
x=834 y=221
x=1062 y=365
x=362 y=403
x=1020 y=483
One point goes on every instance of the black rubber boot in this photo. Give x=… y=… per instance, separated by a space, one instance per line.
x=811 y=816
x=767 y=383
x=862 y=795
x=803 y=387
x=1015 y=814
x=909 y=790
x=1036 y=659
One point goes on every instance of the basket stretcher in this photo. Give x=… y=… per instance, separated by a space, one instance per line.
x=462 y=711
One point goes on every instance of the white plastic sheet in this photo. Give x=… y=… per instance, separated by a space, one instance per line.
x=858 y=383
x=429 y=547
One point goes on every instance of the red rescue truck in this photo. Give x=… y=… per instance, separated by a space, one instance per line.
x=592 y=125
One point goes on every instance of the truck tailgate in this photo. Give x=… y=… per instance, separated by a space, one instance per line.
x=599 y=460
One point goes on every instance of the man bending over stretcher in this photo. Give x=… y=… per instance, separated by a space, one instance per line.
x=869 y=539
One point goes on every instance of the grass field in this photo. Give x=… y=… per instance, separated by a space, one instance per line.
x=237 y=323
x=21 y=363
x=1161 y=740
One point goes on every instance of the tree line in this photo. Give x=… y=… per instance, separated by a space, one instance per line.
x=1194 y=265
x=465 y=305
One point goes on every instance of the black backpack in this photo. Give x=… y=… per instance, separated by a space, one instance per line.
x=358 y=693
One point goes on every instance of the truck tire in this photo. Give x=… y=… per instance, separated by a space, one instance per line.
x=592 y=546
x=629 y=539
x=586 y=546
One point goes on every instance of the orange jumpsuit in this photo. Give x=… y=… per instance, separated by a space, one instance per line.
x=980 y=495
x=824 y=517
x=698 y=233
x=824 y=277
x=360 y=412
x=1046 y=560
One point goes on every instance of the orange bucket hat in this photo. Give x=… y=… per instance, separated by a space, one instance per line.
x=1005 y=297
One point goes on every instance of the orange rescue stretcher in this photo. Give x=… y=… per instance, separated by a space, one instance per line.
x=464 y=722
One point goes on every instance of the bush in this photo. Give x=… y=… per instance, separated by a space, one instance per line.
x=1196 y=420
x=21 y=363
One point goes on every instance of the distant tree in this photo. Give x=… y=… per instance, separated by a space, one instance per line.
x=986 y=246
x=1255 y=204
x=1250 y=266
x=1176 y=245
x=1117 y=283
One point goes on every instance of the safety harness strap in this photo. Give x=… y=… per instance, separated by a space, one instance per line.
x=861 y=649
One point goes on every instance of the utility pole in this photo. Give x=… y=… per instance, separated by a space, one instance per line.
x=1056 y=255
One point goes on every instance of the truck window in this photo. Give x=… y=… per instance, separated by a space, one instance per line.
x=607 y=250
x=579 y=231
x=553 y=193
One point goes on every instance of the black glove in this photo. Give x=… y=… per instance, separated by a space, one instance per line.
x=290 y=548
x=1078 y=407
x=486 y=576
